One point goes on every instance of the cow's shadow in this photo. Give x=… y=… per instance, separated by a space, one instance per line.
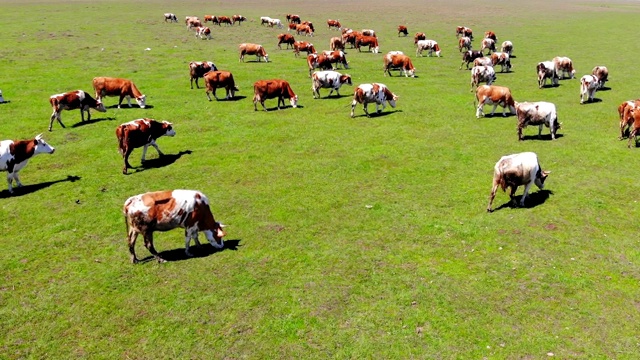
x=235 y=98
x=126 y=106
x=275 y=108
x=592 y=101
x=374 y=114
x=533 y=200
x=545 y=137
x=92 y=121
x=499 y=115
x=162 y=161
x=205 y=250
x=28 y=189
x=548 y=86
x=604 y=88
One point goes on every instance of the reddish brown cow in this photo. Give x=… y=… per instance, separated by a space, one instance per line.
x=335 y=43
x=294 y=19
x=419 y=36
x=337 y=57
x=403 y=30
x=464 y=31
x=253 y=49
x=370 y=41
x=220 y=79
x=398 y=62
x=224 y=20
x=350 y=38
x=494 y=95
x=141 y=133
x=624 y=111
x=299 y=46
x=292 y=27
x=490 y=35
x=315 y=61
x=73 y=100
x=285 y=39
x=334 y=24
x=238 y=19
x=107 y=86
x=197 y=69
x=304 y=29
x=310 y=24
x=275 y=88
x=212 y=18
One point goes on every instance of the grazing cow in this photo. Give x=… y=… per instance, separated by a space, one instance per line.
x=370 y=41
x=482 y=74
x=483 y=61
x=107 y=86
x=275 y=88
x=275 y=22
x=588 y=87
x=430 y=45
x=490 y=35
x=294 y=19
x=193 y=22
x=346 y=31
x=321 y=61
x=507 y=47
x=292 y=27
x=634 y=127
x=310 y=24
x=212 y=18
x=170 y=17
x=336 y=57
x=15 y=154
x=470 y=55
x=624 y=111
x=304 y=29
x=488 y=43
x=253 y=49
x=72 y=100
x=197 y=69
x=494 y=95
x=464 y=43
x=502 y=59
x=369 y=32
x=334 y=24
x=514 y=170
x=265 y=20
x=464 y=31
x=602 y=73
x=373 y=93
x=141 y=133
x=398 y=62
x=224 y=20
x=335 y=43
x=299 y=46
x=419 y=36
x=220 y=79
x=403 y=30
x=539 y=113
x=238 y=19
x=166 y=210
x=547 y=70
x=329 y=80
x=203 y=32
x=564 y=65
x=285 y=39
x=350 y=38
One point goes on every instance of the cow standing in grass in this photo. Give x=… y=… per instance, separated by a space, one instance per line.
x=15 y=154
x=70 y=101
x=372 y=93
x=197 y=69
x=141 y=133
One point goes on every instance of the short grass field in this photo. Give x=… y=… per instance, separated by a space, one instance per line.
x=363 y=238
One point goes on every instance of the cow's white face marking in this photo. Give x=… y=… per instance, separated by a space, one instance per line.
x=142 y=101
x=294 y=101
x=42 y=146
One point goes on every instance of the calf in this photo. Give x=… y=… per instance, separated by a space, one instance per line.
x=602 y=73
x=429 y=45
x=403 y=30
x=329 y=80
x=512 y=171
x=470 y=55
x=494 y=95
x=197 y=69
x=107 y=86
x=547 y=70
x=70 y=101
x=398 y=62
x=419 y=36
x=502 y=59
x=220 y=79
x=373 y=93
x=170 y=17
x=15 y=154
x=464 y=43
x=141 y=133
x=564 y=65
x=588 y=87
x=167 y=210
x=275 y=88
x=285 y=39
x=482 y=74
x=334 y=24
x=537 y=113
x=253 y=49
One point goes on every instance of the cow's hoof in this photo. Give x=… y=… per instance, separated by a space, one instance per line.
x=161 y=260
x=135 y=261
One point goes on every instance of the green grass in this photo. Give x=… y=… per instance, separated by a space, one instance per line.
x=356 y=238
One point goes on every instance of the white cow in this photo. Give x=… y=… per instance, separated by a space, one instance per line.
x=14 y=155
x=275 y=22
x=564 y=65
x=507 y=47
x=430 y=45
x=482 y=74
x=516 y=170
x=329 y=80
x=488 y=43
x=373 y=93
x=539 y=113
x=265 y=20
x=588 y=86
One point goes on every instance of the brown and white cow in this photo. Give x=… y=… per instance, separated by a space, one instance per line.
x=547 y=70
x=469 y=56
x=274 y=88
x=193 y=22
x=429 y=45
x=602 y=73
x=318 y=61
x=237 y=19
x=539 y=113
x=624 y=111
x=224 y=20
x=494 y=95
x=170 y=17
x=395 y=61
x=502 y=59
x=403 y=30
x=167 y=210
x=588 y=87
x=634 y=127
x=488 y=43
x=483 y=61
x=141 y=133
x=350 y=38
x=253 y=49
x=334 y=24
x=204 y=32
x=293 y=18
x=373 y=93
x=212 y=18
x=507 y=47
x=370 y=41
x=464 y=43
x=309 y=24
x=73 y=100
x=108 y=86
x=302 y=29
x=419 y=36
x=490 y=35
x=328 y=80
x=299 y=46
x=482 y=74
x=337 y=57
x=515 y=170
x=15 y=154
x=292 y=27
x=335 y=43
x=218 y=80
x=197 y=69
x=564 y=65
x=285 y=39
x=464 y=31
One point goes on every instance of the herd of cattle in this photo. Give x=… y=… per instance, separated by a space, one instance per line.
x=165 y=210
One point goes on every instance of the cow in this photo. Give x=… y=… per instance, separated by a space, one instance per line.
x=264 y=20
x=547 y=70
x=253 y=49
x=539 y=113
x=430 y=45
x=224 y=20
x=514 y=170
x=197 y=69
x=336 y=57
x=464 y=43
x=309 y=24
x=329 y=80
x=204 y=32
x=507 y=47
x=285 y=39
x=193 y=22
x=564 y=65
x=108 y=86
x=299 y=46
x=634 y=127
x=72 y=100
x=370 y=41
x=321 y=61
x=469 y=56
x=350 y=38
x=141 y=133
x=488 y=43
x=588 y=87
x=369 y=32
x=276 y=22
x=624 y=111
x=304 y=29
x=15 y=154
x=602 y=73
x=482 y=74
x=419 y=36
x=494 y=95
x=490 y=35
x=292 y=27
x=167 y=210
x=483 y=61
x=403 y=30
x=334 y=24
x=170 y=17
x=274 y=88
x=373 y=93
x=335 y=43
x=502 y=59
x=238 y=19
x=398 y=62
x=346 y=31
x=464 y=31
x=294 y=19
x=220 y=79
x=212 y=18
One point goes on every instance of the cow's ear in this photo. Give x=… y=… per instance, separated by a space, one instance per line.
x=545 y=173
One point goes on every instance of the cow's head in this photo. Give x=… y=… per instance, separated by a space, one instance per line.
x=100 y=106
x=346 y=79
x=392 y=100
x=541 y=176
x=168 y=128
x=41 y=146
x=142 y=101
x=294 y=101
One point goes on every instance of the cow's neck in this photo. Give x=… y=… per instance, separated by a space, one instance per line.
x=22 y=150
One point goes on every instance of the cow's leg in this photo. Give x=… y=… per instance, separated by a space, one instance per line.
x=82 y=114
x=17 y=178
x=540 y=132
x=495 y=106
x=127 y=152
x=365 y=109
x=131 y=238
x=526 y=192
x=144 y=153
x=54 y=116
x=9 y=181
x=148 y=242
x=632 y=135
x=214 y=94
x=520 y=127
x=353 y=107
x=188 y=234
x=208 y=96
x=120 y=101
x=492 y=196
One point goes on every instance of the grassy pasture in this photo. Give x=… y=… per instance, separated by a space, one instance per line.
x=348 y=238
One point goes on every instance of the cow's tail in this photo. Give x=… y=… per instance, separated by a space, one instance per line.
x=121 y=133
